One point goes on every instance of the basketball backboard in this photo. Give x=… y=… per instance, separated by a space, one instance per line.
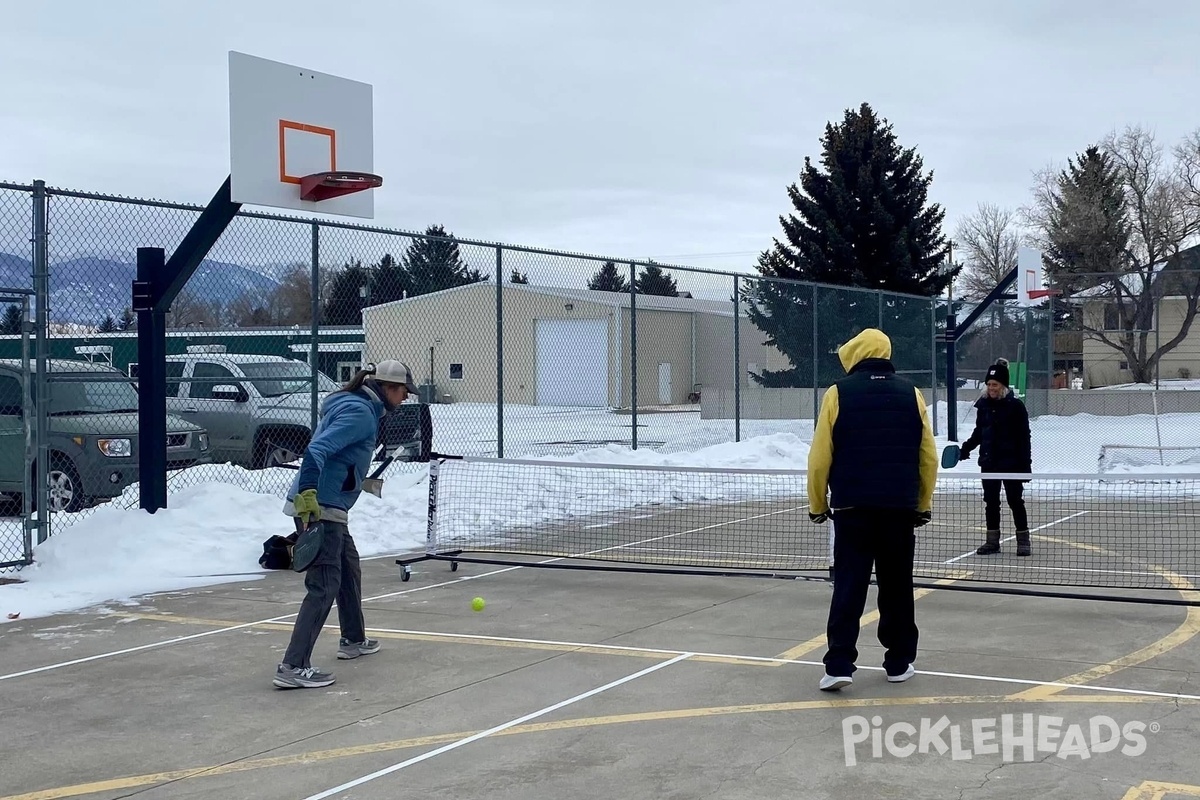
x=1030 y=289
x=288 y=122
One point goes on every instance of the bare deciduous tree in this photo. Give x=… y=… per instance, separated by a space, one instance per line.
x=1159 y=207
x=988 y=240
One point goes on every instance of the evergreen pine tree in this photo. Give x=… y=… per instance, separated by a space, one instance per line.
x=609 y=279
x=653 y=280
x=344 y=299
x=127 y=321
x=435 y=264
x=107 y=325
x=1088 y=228
x=862 y=220
x=10 y=323
x=389 y=281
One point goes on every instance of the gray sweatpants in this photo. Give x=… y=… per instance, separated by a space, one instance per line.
x=335 y=574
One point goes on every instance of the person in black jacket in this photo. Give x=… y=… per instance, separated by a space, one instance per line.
x=872 y=468
x=1004 y=441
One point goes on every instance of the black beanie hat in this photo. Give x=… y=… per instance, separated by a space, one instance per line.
x=998 y=372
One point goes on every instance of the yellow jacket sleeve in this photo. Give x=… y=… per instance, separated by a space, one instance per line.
x=929 y=458
x=820 y=454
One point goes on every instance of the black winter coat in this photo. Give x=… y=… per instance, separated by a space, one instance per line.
x=1002 y=435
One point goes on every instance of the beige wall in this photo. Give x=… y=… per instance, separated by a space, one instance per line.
x=465 y=321
x=662 y=337
x=1102 y=364
x=714 y=351
x=698 y=346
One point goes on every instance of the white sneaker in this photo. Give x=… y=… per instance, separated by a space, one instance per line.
x=832 y=683
x=902 y=677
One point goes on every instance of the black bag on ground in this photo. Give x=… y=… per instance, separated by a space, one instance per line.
x=277 y=552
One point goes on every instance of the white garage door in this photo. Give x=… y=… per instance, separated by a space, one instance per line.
x=572 y=362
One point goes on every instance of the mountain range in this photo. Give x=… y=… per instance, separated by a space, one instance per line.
x=85 y=289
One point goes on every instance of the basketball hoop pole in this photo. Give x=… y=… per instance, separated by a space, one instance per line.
x=158 y=283
x=954 y=331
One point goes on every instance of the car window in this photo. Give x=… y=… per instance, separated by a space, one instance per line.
x=279 y=378
x=10 y=396
x=203 y=389
x=174 y=373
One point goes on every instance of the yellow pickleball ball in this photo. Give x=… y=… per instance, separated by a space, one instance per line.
x=477 y=604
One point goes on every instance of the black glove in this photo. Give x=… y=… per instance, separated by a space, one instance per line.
x=964 y=455
x=923 y=518
x=818 y=519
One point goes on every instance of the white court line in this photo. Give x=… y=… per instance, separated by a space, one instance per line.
x=773 y=660
x=1031 y=530
x=497 y=729
x=231 y=628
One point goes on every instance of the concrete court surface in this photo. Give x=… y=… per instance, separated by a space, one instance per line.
x=594 y=685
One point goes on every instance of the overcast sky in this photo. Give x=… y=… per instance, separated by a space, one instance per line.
x=656 y=129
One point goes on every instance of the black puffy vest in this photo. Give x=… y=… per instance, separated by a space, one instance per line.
x=876 y=440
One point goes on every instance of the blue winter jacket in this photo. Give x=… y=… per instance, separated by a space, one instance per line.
x=338 y=457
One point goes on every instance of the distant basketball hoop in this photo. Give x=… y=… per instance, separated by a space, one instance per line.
x=324 y=185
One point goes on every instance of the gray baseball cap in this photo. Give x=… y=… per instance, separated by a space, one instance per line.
x=395 y=372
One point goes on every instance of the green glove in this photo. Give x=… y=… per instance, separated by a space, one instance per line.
x=305 y=505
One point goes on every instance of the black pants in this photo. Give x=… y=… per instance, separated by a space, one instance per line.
x=1014 y=493
x=335 y=574
x=883 y=539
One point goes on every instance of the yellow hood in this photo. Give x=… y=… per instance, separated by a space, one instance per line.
x=871 y=343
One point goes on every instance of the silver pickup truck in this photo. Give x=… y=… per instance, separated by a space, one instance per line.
x=256 y=408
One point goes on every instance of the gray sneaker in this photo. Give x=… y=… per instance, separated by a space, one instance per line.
x=289 y=677
x=348 y=649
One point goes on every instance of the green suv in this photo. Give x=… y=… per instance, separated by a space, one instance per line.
x=93 y=426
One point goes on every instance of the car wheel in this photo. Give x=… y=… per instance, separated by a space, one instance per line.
x=65 y=489
x=277 y=457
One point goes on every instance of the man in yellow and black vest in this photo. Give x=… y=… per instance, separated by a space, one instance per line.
x=871 y=469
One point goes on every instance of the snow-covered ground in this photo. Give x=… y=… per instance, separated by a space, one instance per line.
x=219 y=516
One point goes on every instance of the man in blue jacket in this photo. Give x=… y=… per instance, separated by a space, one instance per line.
x=327 y=486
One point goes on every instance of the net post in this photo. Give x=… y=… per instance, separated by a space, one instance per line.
x=431 y=519
x=933 y=370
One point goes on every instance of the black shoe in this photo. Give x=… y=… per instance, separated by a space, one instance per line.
x=1023 y=546
x=992 y=545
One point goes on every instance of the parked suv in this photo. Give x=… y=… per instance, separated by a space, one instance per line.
x=93 y=425
x=255 y=408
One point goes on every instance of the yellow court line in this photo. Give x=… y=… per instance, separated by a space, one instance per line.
x=149 y=779
x=520 y=644
x=1186 y=631
x=818 y=642
x=1157 y=790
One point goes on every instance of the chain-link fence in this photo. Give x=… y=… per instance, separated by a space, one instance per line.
x=517 y=352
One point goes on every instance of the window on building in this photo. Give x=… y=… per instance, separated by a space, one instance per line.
x=456 y=372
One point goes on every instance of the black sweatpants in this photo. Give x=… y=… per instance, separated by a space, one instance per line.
x=883 y=539
x=335 y=574
x=1014 y=493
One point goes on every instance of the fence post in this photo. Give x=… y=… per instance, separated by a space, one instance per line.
x=933 y=370
x=737 y=363
x=499 y=353
x=633 y=365
x=815 y=369
x=41 y=288
x=27 y=425
x=314 y=349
